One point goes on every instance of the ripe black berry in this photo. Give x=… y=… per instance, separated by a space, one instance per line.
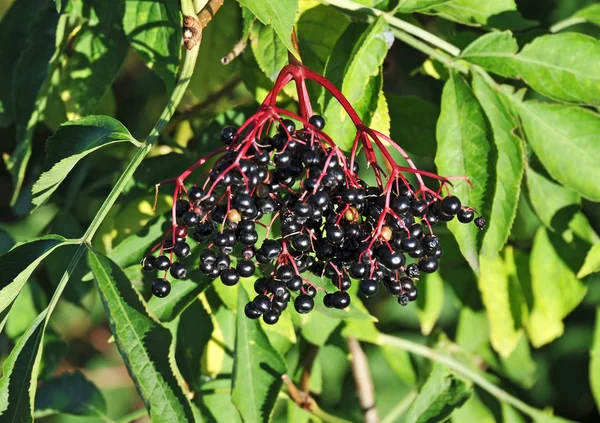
x=271 y=317
x=251 y=312
x=228 y=134
x=368 y=287
x=317 y=121
x=303 y=304
x=428 y=264
x=285 y=273
x=245 y=268
x=451 y=205
x=148 y=263
x=261 y=303
x=178 y=271
x=162 y=262
x=161 y=288
x=229 y=277
x=181 y=249
x=301 y=242
x=340 y=300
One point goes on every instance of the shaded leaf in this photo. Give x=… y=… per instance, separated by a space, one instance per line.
x=495 y=52
x=563 y=67
x=564 y=138
x=508 y=167
x=594 y=374
x=279 y=14
x=269 y=50
x=69 y=393
x=71 y=143
x=555 y=289
x=257 y=368
x=143 y=342
x=442 y=393
x=129 y=251
x=413 y=123
x=464 y=150
x=361 y=81
x=154 y=31
x=592 y=262
x=430 y=301
x=183 y=293
x=17 y=266
x=30 y=302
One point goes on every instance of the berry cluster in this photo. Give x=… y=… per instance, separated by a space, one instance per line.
x=281 y=179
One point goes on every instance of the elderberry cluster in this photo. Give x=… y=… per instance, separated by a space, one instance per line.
x=319 y=217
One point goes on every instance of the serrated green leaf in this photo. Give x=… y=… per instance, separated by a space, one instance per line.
x=269 y=50
x=69 y=393
x=430 y=301
x=257 y=368
x=554 y=204
x=17 y=266
x=319 y=28
x=594 y=372
x=555 y=289
x=30 y=85
x=507 y=162
x=563 y=66
x=361 y=81
x=281 y=15
x=503 y=300
x=16 y=390
x=183 y=293
x=592 y=262
x=413 y=123
x=96 y=55
x=564 y=138
x=495 y=52
x=143 y=342
x=464 y=150
x=72 y=142
x=442 y=393
x=154 y=31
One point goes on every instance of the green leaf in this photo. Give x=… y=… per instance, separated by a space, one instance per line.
x=507 y=164
x=143 y=342
x=130 y=251
x=495 y=52
x=269 y=51
x=412 y=6
x=590 y=14
x=95 y=58
x=319 y=29
x=279 y=14
x=30 y=302
x=504 y=302
x=154 y=31
x=564 y=138
x=72 y=142
x=442 y=393
x=430 y=301
x=183 y=293
x=17 y=266
x=30 y=86
x=464 y=150
x=257 y=368
x=555 y=289
x=592 y=262
x=69 y=393
x=413 y=123
x=475 y=12
x=564 y=67
x=16 y=390
x=595 y=360
x=361 y=83
x=554 y=204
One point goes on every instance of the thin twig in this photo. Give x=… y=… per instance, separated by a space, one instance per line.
x=237 y=49
x=209 y=101
x=364 y=383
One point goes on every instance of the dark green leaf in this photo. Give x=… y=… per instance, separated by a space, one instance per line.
x=269 y=50
x=594 y=372
x=30 y=302
x=464 y=150
x=279 y=14
x=18 y=264
x=430 y=302
x=361 y=83
x=71 y=143
x=143 y=342
x=507 y=165
x=495 y=52
x=592 y=262
x=564 y=138
x=69 y=393
x=154 y=30
x=555 y=289
x=563 y=67
x=413 y=123
x=95 y=57
x=257 y=368
x=131 y=250
x=30 y=87
x=319 y=29
x=442 y=393
x=17 y=391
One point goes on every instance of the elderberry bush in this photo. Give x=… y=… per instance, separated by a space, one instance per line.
x=319 y=216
